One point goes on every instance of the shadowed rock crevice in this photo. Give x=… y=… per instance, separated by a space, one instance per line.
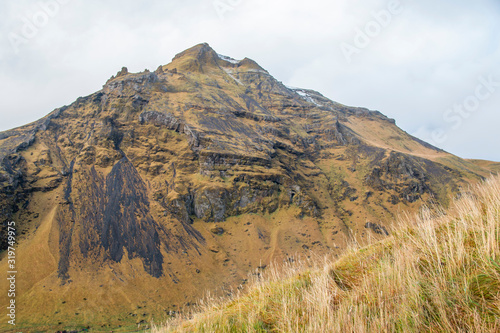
x=127 y=222
x=66 y=221
x=114 y=217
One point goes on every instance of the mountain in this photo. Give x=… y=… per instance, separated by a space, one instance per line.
x=133 y=202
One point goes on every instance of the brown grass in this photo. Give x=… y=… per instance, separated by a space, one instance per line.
x=438 y=272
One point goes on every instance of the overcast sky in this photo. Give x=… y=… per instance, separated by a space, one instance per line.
x=431 y=65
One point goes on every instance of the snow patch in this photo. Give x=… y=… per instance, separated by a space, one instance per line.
x=257 y=71
x=229 y=59
x=304 y=94
x=228 y=72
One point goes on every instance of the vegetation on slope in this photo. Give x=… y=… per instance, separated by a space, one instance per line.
x=438 y=272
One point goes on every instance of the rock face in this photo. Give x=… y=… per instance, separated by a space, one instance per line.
x=115 y=219
x=122 y=188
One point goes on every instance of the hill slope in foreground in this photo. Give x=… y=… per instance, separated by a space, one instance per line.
x=437 y=272
x=134 y=201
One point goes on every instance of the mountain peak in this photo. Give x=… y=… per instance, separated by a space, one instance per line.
x=203 y=58
x=200 y=51
x=199 y=58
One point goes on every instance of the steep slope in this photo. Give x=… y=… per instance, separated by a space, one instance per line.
x=133 y=201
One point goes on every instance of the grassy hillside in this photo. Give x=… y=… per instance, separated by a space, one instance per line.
x=437 y=272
